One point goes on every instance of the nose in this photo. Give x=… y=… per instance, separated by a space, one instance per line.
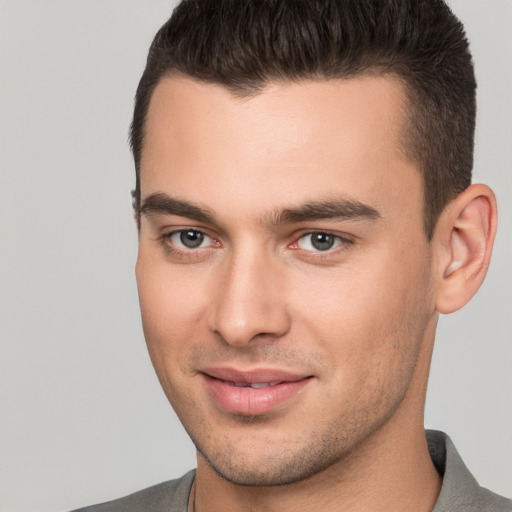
x=249 y=301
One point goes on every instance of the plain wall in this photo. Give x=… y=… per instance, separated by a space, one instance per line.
x=83 y=418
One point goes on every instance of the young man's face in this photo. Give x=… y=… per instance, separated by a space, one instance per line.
x=284 y=274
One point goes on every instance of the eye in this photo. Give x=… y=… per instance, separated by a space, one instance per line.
x=189 y=239
x=319 y=242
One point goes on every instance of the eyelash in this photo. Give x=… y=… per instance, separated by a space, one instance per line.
x=170 y=247
x=342 y=244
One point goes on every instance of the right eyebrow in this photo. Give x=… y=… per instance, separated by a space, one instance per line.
x=162 y=204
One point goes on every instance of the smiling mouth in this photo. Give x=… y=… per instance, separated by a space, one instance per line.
x=253 y=393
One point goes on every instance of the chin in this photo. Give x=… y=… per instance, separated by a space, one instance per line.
x=273 y=474
x=274 y=465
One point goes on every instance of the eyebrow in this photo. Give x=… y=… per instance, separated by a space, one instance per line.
x=162 y=204
x=341 y=209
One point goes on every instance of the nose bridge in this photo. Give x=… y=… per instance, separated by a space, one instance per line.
x=250 y=297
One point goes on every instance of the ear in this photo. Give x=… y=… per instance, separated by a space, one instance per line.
x=464 y=236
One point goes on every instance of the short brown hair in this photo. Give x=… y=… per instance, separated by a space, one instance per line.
x=244 y=44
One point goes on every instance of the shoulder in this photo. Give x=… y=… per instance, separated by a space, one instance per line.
x=490 y=502
x=170 y=496
x=459 y=490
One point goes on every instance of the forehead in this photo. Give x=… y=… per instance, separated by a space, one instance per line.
x=306 y=138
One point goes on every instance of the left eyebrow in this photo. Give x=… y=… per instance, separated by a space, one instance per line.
x=343 y=209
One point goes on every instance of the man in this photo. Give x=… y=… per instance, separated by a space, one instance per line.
x=305 y=212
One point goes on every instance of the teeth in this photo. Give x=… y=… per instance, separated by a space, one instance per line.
x=258 y=385
x=254 y=385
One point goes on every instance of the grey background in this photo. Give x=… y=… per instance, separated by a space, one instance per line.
x=83 y=418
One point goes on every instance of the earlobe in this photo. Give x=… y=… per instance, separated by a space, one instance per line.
x=465 y=233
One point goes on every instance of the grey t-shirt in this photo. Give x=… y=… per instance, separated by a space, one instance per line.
x=170 y=496
x=460 y=492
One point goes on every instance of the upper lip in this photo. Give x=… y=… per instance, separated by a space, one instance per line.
x=253 y=376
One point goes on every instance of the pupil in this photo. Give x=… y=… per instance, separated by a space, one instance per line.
x=191 y=239
x=322 y=241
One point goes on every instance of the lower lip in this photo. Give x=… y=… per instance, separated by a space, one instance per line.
x=252 y=401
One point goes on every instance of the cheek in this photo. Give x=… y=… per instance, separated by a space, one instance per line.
x=370 y=317
x=173 y=300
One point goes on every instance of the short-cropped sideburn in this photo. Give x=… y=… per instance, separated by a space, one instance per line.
x=245 y=44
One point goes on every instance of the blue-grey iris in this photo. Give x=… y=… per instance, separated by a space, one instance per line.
x=322 y=241
x=191 y=239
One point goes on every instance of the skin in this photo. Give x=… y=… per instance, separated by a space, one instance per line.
x=358 y=320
